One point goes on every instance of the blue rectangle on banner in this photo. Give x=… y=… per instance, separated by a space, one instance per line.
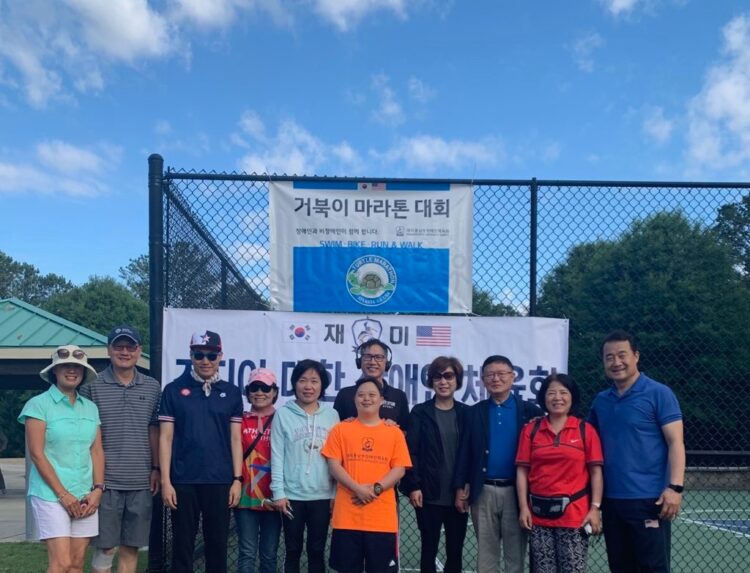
x=356 y=279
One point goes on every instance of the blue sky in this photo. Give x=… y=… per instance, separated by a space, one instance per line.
x=576 y=89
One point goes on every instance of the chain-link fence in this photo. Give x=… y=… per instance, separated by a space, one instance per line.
x=662 y=260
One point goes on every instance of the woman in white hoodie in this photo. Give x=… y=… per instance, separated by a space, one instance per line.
x=301 y=485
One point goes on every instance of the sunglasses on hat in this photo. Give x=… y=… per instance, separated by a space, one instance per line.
x=212 y=356
x=255 y=386
x=65 y=353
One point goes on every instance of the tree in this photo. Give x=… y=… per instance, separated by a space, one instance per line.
x=733 y=227
x=100 y=304
x=193 y=280
x=669 y=282
x=24 y=281
x=135 y=275
x=484 y=305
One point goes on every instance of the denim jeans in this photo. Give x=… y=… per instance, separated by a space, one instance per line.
x=257 y=532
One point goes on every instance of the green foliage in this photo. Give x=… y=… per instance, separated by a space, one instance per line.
x=733 y=227
x=674 y=286
x=484 y=305
x=11 y=404
x=135 y=276
x=24 y=281
x=100 y=304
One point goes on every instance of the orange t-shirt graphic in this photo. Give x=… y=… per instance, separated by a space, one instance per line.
x=367 y=453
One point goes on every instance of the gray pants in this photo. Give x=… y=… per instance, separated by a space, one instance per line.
x=495 y=518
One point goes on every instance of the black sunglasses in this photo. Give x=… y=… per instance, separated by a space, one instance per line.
x=201 y=355
x=65 y=353
x=255 y=386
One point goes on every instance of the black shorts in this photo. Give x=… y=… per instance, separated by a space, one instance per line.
x=371 y=551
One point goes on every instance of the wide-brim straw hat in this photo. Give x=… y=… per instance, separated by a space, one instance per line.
x=89 y=374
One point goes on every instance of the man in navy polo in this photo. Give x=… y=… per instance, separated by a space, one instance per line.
x=200 y=450
x=640 y=425
x=484 y=474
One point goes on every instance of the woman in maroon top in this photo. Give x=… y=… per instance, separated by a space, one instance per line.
x=559 y=480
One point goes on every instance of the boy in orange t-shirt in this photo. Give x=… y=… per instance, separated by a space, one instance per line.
x=366 y=457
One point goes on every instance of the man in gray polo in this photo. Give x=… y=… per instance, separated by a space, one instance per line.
x=128 y=403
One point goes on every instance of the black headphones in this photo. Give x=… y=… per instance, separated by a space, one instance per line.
x=371 y=342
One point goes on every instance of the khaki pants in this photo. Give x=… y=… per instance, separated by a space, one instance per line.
x=495 y=518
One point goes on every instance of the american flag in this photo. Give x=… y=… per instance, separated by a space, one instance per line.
x=433 y=335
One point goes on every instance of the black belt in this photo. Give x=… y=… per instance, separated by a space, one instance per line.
x=500 y=482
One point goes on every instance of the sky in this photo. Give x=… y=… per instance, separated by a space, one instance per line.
x=574 y=89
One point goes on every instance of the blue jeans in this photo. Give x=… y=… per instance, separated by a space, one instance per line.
x=257 y=532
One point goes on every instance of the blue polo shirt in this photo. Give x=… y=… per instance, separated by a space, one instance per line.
x=630 y=428
x=202 y=443
x=503 y=420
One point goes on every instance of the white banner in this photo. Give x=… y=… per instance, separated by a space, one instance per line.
x=371 y=247
x=278 y=340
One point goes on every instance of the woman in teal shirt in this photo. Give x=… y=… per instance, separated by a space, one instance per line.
x=67 y=477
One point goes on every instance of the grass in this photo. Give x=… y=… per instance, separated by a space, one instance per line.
x=26 y=557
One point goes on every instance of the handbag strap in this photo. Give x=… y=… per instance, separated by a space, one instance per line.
x=251 y=447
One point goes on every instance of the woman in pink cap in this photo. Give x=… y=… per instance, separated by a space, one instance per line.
x=258 y=522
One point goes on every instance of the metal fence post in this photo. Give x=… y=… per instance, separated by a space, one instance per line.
x=533 y=221
x=156 y=555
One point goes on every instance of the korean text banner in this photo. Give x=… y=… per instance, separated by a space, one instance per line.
x=371 y=247
x=278 y=340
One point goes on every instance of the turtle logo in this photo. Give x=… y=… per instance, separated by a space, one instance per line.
x=371 y=280
x=368 y=444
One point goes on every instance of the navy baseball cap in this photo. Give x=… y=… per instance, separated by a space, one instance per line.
x=206 y=339
x=124 y=330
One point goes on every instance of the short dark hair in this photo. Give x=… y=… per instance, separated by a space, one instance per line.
x=567 y=382
x=365 y=380
x=619 y=336
x=442 y=363
x=496 y=358
x=309 y=364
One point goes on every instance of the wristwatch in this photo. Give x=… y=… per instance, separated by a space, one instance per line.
x=237 y=478
x=377 y=488
x=100 y=486
x=677 y=488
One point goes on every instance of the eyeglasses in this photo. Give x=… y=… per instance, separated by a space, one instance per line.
x=447 y=376
x=124 y=347
x=65 y=353
x=373 y=357
x=490 y=376
x=212 y=356
x=255 y=386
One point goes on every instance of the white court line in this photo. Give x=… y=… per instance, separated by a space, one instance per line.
x=715 y=527
x=691 y=511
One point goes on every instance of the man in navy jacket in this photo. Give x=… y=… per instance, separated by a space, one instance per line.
x=485 y=471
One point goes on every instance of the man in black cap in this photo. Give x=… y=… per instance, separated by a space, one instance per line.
x=128 y=403
x=201 y=455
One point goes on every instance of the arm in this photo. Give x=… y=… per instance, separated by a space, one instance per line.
x=91 y=502
x=235 y=491
x=153 y=442
x=278 y=444
x=594 y=516
x=363 y=493
x=35 y=434
x=411 y=484
x=166 y=434
x=522 y=490
x=670 y=500
x=461 y=467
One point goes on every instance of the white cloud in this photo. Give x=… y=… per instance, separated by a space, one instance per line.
x=163 y=127
x=656 y=126
x=719 y=116
x=389 y=110
x=419 y=91
x=293 y=150
x=252 y=124
x=67 y=158
x=618 y=7
x=346 y=14
x=428 y=153
x=584 y=48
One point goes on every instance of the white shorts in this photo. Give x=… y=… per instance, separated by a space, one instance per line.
x=53 y=521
